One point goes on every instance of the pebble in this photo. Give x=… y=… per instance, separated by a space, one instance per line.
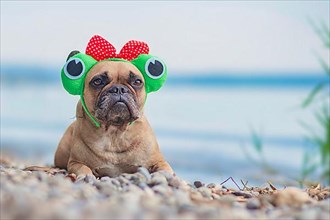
x=198 y=184
x=122 y=180
x=227 y=199
x=215 y=196
x=211 y=185
x=291 y=197
x=160 y=189
x=105 y=179
x=144 y=172
x=175 y=182
x=253 y=203
x=244 y=194
x=206 y=192
x=116 y=182
x=160 y=195
x=156 y=179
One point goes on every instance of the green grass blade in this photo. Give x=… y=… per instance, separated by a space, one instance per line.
x=312 y=95
x=257 y=142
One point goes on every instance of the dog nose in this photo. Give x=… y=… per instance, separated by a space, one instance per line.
x=118 y=89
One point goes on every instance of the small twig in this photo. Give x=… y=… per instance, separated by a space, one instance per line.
x=318 y=186
x=245 y=185
x=271 y=185
x=231 y=178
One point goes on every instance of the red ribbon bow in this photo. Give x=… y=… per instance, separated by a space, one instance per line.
x=101 y=49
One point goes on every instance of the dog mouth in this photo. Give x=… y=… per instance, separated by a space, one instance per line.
x=119 y=114
x=116 y=110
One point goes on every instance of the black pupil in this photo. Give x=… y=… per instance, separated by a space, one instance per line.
x=74 y=68
x=155 y=69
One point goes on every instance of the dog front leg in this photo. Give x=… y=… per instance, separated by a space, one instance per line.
x=83 y=172
x=161 y=165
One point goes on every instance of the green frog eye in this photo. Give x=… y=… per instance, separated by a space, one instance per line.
x=74 y=68
x=155 y=68
x=74 y=72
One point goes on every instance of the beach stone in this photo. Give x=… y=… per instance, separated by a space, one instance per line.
x=215 y=196
x=195 y=195
x=175 y=182
x=88 y=191
x=115 y=182
x=54 y=192
x=290 y=197
x=325 y=205
x=211 y=185
x=149 y=192
x=308 y=214
x=122 y=180
x=107 y=189
x=38 y=195
x=144 y=172
x=227 y=199
x=105 y=179
x=167 y=174
x=253 y=203
x=42 y=176
x=134 y=188
x=126 y=175
x=138 y=178
x=185 y=185
x=254 y=194
x=183 y=197
x=238 y=205
x=161 y=189
x=198 y=184
x=143 y=185
x=89 y=178
x=150 y=201
x=217 y=190
x=125 y=186
x=16 y=178
x=244 y=194
x=157 y=178
x=206 y=192
x=31 y=181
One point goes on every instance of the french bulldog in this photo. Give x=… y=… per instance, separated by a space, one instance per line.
x=114 y=94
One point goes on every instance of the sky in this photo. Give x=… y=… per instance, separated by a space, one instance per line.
x=188 y=36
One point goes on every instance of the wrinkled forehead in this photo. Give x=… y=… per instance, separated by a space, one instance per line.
x=114 y=69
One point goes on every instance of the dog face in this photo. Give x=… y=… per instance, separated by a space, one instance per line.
x=79 y=68
x=114 y=92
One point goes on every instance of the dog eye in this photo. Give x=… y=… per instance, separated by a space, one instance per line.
x=138 y=82
x=74 y=68
x=97 y=82
x=155 y=68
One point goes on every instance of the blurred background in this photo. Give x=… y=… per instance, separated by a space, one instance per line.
x=246 y=84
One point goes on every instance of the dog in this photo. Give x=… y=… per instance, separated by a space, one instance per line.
x=113 y=97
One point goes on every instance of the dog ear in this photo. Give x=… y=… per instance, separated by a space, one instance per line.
x=72 y=53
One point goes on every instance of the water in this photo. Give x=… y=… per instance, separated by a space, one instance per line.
x=204 y=131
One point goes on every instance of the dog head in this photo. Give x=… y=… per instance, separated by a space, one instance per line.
x=113 y=87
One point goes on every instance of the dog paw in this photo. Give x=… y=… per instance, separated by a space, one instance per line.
x=87 y=178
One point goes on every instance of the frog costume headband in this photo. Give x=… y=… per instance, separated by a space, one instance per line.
x=98 y=49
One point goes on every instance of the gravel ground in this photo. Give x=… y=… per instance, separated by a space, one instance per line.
x=53 y=194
